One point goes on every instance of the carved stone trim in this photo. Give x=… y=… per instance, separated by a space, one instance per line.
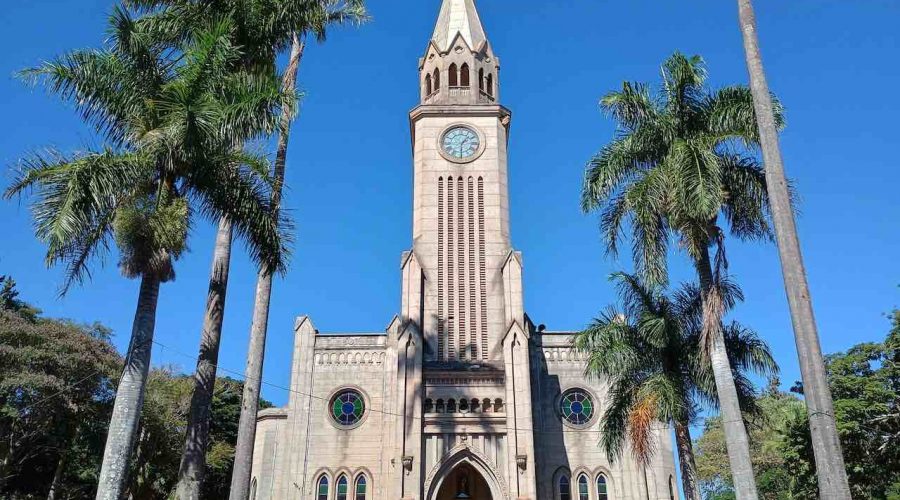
x=563 y=355
x=460 y=453
x=350 y=357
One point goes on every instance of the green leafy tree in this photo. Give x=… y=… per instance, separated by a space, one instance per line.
x=865 y=381
x=263 y=29
x=56 y=379
x=650 y=353
x=778 y=412
x=175 y=128
x=9 y=299
x=682 y=165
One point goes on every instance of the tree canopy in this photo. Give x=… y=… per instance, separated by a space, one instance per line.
x=57 y=383
x=865 y=383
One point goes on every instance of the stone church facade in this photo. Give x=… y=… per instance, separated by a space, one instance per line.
x=462 y=397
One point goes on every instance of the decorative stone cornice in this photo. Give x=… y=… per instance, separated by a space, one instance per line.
x=350 y=357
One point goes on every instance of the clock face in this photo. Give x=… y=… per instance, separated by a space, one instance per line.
x=461 y=142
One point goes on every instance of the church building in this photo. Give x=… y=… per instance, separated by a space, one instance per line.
x=462 y=397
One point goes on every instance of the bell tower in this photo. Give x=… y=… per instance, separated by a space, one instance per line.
x=460 y=206
x=463 y=379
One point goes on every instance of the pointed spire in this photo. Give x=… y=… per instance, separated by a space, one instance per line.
x=458 y=16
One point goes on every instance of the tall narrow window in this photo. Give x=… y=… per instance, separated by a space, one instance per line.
x=671 y=488
x=602 y=488
x=453 y=76
x=437 y=79
x=583 y=488
x=427 y=85
x=464 y=75
x=341 y=493
x=253 y=489
x=442 y=315
x=481 y=79
x=322 y=493
x=360 y=488
x=565 y=493
x=490 y=85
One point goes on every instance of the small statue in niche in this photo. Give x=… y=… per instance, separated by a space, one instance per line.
x=462 y=487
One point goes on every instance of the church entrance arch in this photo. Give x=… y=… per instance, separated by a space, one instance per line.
x=465 y=476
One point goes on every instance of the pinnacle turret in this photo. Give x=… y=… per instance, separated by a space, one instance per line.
x=458 y=17
x=459 y=66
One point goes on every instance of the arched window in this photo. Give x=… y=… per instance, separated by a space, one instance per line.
x=498 y=405
x=429 y=406
x=341 y=493
x=464 y=75
x=602 y=488
x=490 y=85
x=454 y=76
x=437 y=79
x=427 y=85
x=360 y=488
x=671 y=488
x=583 y=492
x=439 y=407
x=481 y=79
x=563 y=490
x=253 y=489
x=322 y=490
x=451 y=406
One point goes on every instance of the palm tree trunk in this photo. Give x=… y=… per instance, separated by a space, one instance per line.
x=686 y=459
x=129 y=394
x=736 y=440
x=243 y=455
x=832 y=473
x=193 y=460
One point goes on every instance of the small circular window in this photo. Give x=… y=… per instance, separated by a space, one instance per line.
x=576 y=406
x=348 y=407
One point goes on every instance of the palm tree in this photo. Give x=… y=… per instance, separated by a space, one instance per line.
x=264 y=28
x=173 y=128
x=650 y=353
x=682 y=160
x=832 y=473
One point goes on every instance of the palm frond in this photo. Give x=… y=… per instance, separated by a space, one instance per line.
x=632 y=107
x=75 y=203
x=640 y=428
x=226 y=189
x=746 y=204
x=747 y=351
x=731 y=115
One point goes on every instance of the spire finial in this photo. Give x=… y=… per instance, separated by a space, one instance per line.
x=458 y=16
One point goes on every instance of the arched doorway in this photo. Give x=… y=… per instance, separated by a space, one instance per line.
x=464 y=483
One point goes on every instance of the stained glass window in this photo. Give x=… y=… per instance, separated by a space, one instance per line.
x=583 y=487
x=341 y=488
x=361 y=488
x=348 y=407
x=323 y=489
x=576 y=406
x=565 y=493
x=602 y=488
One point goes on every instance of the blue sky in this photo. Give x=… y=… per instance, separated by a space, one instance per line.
x=832 y=62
